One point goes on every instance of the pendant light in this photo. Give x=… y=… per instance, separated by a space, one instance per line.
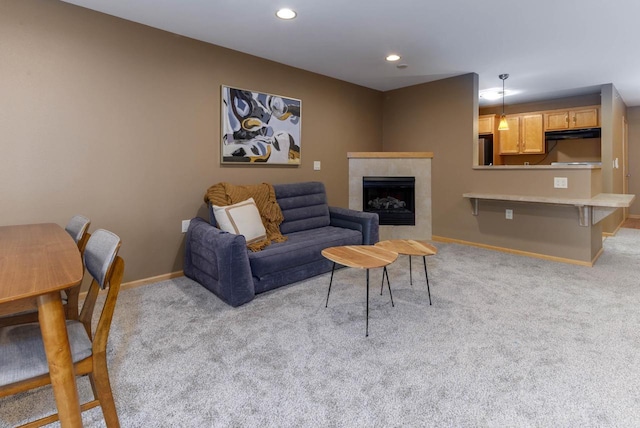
x=504 y=126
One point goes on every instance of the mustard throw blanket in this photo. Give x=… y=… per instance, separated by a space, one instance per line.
x=223 y=194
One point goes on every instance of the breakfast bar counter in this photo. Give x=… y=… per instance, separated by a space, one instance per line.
x=558 y=212
x=590 y=210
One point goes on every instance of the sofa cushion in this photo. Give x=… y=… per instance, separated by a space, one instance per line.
x=300 y=248
x=242 y=218
x=304 y=206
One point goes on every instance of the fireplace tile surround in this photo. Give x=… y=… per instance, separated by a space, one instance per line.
x=395 y=164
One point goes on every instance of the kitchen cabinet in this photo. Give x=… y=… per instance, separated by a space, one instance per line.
x=486 y=124
x=587 y=117
x=510 y=139
x=525 y=135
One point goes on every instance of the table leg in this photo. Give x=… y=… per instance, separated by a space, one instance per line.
x=410 y=277
x=330 y=281
x=56 y=346
x=424 y=260
x=367 y=329
x=386 y=272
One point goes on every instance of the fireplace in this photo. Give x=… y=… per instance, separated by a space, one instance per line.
x=392 y=198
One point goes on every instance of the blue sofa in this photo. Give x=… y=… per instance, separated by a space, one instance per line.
x=221 y=262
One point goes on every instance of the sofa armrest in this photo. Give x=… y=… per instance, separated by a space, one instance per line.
x=366 y=223
x=219 y=261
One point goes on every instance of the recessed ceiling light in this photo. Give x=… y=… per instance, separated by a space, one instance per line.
x=286 y=14
x=393 y=58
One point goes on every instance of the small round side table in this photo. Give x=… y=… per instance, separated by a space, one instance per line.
x=410 y=248
x=361 y=257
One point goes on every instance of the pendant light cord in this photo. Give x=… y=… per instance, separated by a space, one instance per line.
x=503 y=77
x=503 y=97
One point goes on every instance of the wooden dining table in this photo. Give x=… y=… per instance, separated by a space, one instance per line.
x=37 y=261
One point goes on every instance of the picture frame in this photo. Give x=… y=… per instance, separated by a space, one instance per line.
x=259 y=128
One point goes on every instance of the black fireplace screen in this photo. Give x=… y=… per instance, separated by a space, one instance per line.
x=392 y=198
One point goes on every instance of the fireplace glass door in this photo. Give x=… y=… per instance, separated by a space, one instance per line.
x=392 y=198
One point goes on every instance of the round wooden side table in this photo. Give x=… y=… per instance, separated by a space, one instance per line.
x=361 y=257
x=410 y=248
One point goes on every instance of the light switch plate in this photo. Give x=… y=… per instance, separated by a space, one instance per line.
x=185 y=225
x=316 y=165
x=508 y=214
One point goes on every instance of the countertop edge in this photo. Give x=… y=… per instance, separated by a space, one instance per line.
x=613 y=200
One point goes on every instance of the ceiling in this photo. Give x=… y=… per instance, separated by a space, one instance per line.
x=550 y=48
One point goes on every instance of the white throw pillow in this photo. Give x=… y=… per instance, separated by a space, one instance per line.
x=242 y=218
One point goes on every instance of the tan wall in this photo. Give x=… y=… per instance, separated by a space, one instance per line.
x=440 y=117
x=437 y=117
x=612 y=114
x=577 y=150
x=121 y=122
x=583 y=183
x=633 y=118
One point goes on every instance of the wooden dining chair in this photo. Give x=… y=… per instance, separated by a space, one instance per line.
x=23 y=363
x=24 y=312
x=78 y=228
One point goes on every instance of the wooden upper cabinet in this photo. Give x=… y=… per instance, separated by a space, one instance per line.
x=556 y=120
x=587 y=117
x=510 y=139
x=486 y=124
x=525 y=135
x=531 y=134
x=526 y=130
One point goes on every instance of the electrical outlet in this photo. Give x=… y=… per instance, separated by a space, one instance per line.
x=560 y=182
x=316 y=165
x=508 y=214
x=185 y=225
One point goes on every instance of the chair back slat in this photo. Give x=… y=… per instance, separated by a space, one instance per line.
x=86 y=314
x=78 y=228
x=104 y=323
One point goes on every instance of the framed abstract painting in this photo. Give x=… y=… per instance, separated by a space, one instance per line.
x=259 y=128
